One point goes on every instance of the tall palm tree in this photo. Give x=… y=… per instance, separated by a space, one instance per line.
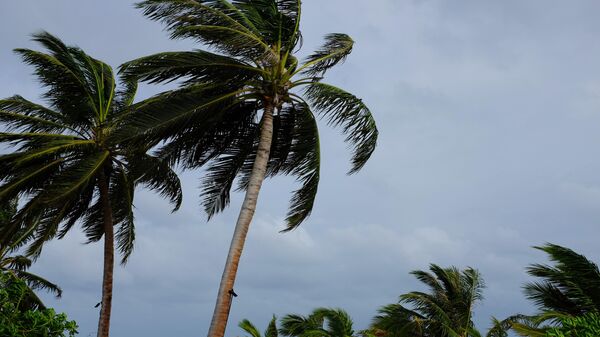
x=446 y=311
x=568 y=288
x=245 y=110
x=69 y=163
x=322 y=322
x=253 y=331
x=17 y=265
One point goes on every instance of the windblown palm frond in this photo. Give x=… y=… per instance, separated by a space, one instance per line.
x=253 y=331
x=324 y=322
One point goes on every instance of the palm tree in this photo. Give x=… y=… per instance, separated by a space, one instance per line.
x=446 y=310
x=17 y=265
x=246 y=110
x=569 y=288
x=69 y=164
x=253 y=331
x=322 y=322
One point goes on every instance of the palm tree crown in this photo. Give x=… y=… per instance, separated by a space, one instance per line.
x=65 y=150
x=445 y=311
x=322 y=322
x=571 y=286
x=214 y=116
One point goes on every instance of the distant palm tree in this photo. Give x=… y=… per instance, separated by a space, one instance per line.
x=569 y=288
x=253 y=331
x=18 y=264
x=247 y=110
x=70 y=164
x=322 y=322
x=446 y=311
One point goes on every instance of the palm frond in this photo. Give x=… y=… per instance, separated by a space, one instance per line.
x=335 y=50
x=36 y=282
x=210 y=23
x=248 y=327
x=221 y=174
x=194 y=67
x=304 y=161
x=155 y=174
x=169 y=114
x=346 y=110
x=73 y=178
x=272 y=328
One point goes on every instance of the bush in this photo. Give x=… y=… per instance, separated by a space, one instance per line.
x=19 y=319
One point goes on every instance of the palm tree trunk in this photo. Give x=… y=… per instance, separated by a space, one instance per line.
x=259 y=170
x=109 y=258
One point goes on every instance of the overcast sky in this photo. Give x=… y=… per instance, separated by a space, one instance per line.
x=489 y=114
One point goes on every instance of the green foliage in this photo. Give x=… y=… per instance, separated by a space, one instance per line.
x=587 y=325
x=17 y=320
x=571 y=286
x=568 y=288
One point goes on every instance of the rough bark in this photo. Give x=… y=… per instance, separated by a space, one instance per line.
x=259 y=169
x=109 y=257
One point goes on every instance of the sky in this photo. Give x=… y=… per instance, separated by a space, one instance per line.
x=488 y=114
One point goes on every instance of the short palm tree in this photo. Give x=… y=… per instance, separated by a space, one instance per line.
x=253 y=331
x=69 y=164
x=245 y=110
x=322 y=322
x=569 y=288
x=446 y=311
x=17 y=265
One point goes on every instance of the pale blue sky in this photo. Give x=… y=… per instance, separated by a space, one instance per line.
x=489 y=114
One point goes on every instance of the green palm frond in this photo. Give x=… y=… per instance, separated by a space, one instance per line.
x=249 y=328
x=169 y=114
x=157 y=175
x=17 y=262
x=272 y=328
x=75 y=177
x=304 y=161
x=195 y=67
x=221 y=173
x=121 y=196
x=36 y=282
x=346 y=110
x=209 y=22
x=335 y=50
